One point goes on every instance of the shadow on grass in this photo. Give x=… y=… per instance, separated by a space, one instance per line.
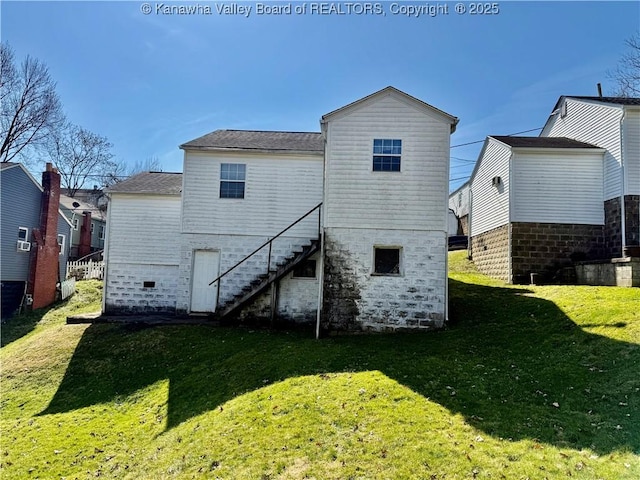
x=18 y=326
x=513 y=365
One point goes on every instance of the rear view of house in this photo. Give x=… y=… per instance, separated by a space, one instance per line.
x=344 y=228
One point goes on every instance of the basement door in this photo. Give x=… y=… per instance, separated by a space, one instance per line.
x=206 y=267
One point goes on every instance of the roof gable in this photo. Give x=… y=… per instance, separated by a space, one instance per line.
x=398 y=94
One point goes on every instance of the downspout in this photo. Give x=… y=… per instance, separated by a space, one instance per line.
x=105 y=257
x=623 y=213
x=469 y=232
x=509 y=229
x=323 y=128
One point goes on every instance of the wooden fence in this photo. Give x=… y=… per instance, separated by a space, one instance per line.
x=67 y=288
x=85 y=270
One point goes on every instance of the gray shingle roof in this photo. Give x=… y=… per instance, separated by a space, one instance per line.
x=161 y=183
x=616 y=100
x=542 y=142
x=258 y=140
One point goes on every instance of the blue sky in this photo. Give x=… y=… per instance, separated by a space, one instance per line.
x=152 y=82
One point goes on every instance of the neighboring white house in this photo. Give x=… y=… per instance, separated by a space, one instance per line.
x=358 y=212
x=459 y=203
x=536 y=204
x=612 y=123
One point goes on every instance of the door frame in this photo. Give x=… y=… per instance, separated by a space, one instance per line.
x=217 y=287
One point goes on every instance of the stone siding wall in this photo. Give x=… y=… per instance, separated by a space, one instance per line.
x=490 y=253
x=356 y=300
x=464 y=225
x=612 y=228
x=126 y=293
x=632 y=213
x=544 y=248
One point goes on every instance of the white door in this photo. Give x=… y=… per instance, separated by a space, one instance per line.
x=206 y=268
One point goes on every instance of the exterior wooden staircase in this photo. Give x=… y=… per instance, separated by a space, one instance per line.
x=259 y=285
x=262 y=282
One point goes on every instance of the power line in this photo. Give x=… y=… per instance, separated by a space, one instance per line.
x=509 y=135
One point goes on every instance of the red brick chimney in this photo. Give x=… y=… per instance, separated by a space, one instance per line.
x=43 y=272
x=84 y=247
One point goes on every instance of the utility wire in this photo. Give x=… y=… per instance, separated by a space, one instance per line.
x=509 y=135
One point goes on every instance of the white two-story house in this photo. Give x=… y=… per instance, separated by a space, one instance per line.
x=345 y=228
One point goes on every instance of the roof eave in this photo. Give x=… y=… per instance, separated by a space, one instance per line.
x=186 y=148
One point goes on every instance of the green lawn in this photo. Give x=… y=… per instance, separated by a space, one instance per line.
x=526 y=382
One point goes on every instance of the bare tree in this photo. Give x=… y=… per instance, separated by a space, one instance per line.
x=79 y=154
x=627 y=73
x=120 y=170
x=29 y=106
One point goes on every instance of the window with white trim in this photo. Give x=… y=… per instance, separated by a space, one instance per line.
x=23 y=234
x=232 y=179
x=61 y=243
x=386 y=154
x=387 y=260
x=75 y=223
x=101 y=232
x=92 y=225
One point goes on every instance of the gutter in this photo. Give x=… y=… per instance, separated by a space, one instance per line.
x=623 y=213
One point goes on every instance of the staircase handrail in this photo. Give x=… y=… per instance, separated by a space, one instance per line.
x=270 y=241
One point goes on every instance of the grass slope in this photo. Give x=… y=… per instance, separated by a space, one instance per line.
x=526 y=382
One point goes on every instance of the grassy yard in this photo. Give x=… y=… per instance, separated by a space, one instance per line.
x=526 y=382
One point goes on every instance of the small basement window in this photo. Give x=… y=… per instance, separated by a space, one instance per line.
x=386 y=261
x=306 y=269
x=149 y=284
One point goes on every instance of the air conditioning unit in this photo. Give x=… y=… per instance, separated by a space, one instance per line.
x=24 y=246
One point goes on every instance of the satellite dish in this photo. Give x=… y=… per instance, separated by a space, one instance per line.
x=75 y=204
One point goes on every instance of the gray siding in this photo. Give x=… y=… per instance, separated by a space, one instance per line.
x=20 y=207
x=64 y=229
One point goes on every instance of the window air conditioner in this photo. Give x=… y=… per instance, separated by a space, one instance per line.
x=24 y=246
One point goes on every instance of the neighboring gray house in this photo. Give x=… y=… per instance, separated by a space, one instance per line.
x=21 y=198
x=89 y=226
x=369 y=251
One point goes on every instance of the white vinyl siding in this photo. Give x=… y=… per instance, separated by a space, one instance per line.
x=278 y=190
x=415 y=197
x=144 y=229
x=490 y=204
x=459 y=200
x=631 y=134
x=599 y=125
x=557 y=188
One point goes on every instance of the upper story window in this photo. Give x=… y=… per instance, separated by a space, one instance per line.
x=23 y=234
x=92 y=228
x=75 y=223
x=101 y=232
x=232 y=178
x=386 y=155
